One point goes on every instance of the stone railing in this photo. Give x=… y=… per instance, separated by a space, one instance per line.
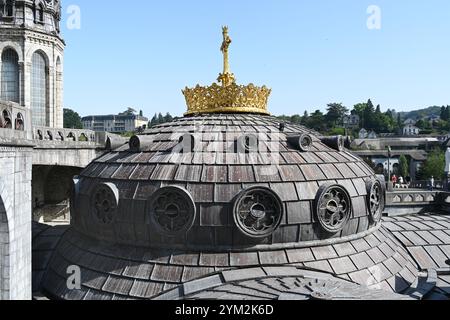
x=425 y=185
x=15 y=121
x=63 y=135
x=408 y=201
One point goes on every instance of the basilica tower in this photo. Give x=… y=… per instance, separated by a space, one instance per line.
x=31 y=63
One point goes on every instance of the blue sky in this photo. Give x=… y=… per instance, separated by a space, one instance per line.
x=141 y=53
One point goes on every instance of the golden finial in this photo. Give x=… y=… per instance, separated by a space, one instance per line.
x=230 y=97
x=226 y=78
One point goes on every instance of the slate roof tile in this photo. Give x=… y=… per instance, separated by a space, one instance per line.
x=190 y=173
x=215 y=174
x=214 y=259
x=312 y=172
x=342 y=265
x=171 y=274
x=286 y=191
x=273 y=257
x=299 y=255
x=326 y=252
x=118 y=285
x=290 y=173
x=241 y=174
x=299 y=212
x=226 y=192
x=243 y=259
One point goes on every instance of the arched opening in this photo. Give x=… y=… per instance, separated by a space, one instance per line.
x=9 y=8
x=52 y=187
x=20 y=122
x=6 y=121
x=83 y=138
x=39 y=90
x=4 y=252
x=10 y=76
x=71 y=137
x=39 y=13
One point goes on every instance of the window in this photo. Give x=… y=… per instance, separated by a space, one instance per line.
x=39 y=13
x=9 y=8
x=10 y=76
x=39 y=90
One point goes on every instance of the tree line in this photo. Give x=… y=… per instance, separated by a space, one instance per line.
x=371 y=117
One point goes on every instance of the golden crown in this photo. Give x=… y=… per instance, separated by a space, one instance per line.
x=230 y=97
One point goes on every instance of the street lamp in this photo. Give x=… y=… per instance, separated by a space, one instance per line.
x=389 y=163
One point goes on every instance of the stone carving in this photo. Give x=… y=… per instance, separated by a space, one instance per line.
x=375 y=199
x=258 y=212
x=333 y=207
x=172 y=210
x=105 y=201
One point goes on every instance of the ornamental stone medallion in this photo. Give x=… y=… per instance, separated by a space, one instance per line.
x=172 y=210
x=105 y=201
x=333 y=207
x=258 y=212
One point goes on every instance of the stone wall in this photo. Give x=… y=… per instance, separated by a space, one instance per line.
x=15 y=221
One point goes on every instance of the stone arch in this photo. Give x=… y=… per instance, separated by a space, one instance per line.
x=5 y=45
x=4 y=244
x=20 y=122
x=10 y=75
x=6 y=119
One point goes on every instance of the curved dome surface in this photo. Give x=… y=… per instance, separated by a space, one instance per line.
x=225 y=181
x=219 y=192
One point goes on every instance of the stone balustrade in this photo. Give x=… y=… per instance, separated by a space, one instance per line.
x=64 y=135
x=15 y=121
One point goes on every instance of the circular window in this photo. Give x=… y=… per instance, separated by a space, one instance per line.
x=258 y=212
x=375 y=200
x=172 y=210
x=105 y=201
x=333 y=207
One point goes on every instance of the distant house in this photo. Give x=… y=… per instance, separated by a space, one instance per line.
x=363 y=134
x=351 y=121
x=411 y=130
x=372 y=135
x=114 y=123
x=410 y=122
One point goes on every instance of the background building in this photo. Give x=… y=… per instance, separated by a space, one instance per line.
x=114 y=123
x=31 y=61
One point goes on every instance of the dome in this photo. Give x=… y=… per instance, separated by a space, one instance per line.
x=216 y=191
x=226 y=181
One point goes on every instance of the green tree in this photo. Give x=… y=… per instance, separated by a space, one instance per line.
x=335 y=114
x=403 y=166
x=317 y=121
x=141 y=113
x=154 y=121
x=369 y=115
x=160 y=118
x=129 y=112
x=434 y=166
x=168 y=117
x=72 y=119
x=444 y=114
x=304 y=119
x=359 y=110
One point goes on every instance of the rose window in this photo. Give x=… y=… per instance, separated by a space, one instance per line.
x=258 y=212
x=333 y=208
x=172 y=210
